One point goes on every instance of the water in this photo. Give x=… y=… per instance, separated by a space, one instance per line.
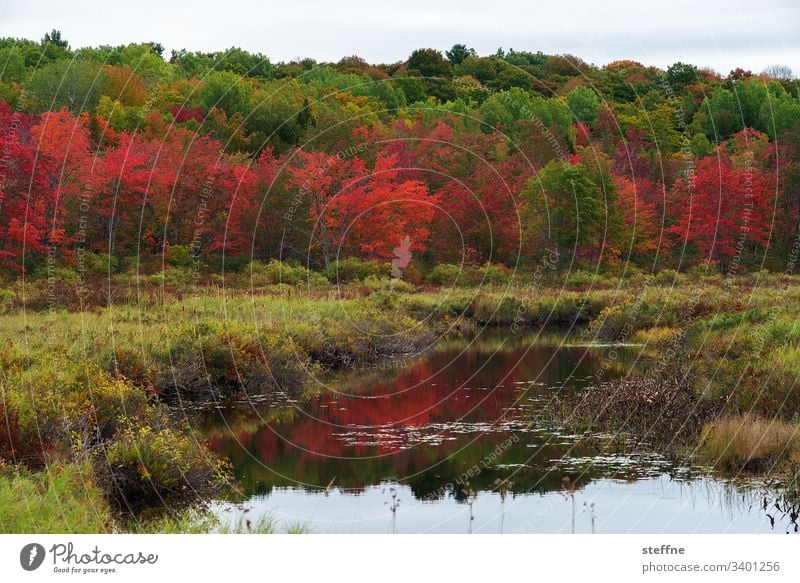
x=456 y=441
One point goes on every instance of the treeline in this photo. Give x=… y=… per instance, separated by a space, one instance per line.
x=117 y=155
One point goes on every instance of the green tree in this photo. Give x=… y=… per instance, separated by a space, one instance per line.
x=76 y=85
x=226 y=91
x=54 y=37
x=512 y=77
x=435 y=71
x=724 y=117
x=458 y=53
x=584 y=104
x=680 y=75
x=484 y=69
x=12 y=65
x=147 y=63
x=564 y=209
x=429 y=63
x=779 y=112
x=54 y=47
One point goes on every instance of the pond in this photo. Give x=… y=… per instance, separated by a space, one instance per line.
x=457 y=441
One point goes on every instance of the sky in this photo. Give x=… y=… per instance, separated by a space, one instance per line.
x=721 y=34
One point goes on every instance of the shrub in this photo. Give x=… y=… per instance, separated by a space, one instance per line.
x=613 y=323
x=145 y=468
x=494 y=274
x=655 y=308
x=210 y=358
x=170 y=277
x=580 y=278
x=387 y=285
x=661 y=406
x=277 y=272
x=745 y=442
x=180 y=256
x=130 y=363
x=353 y=269
x=565 y=308
x=12 y=448
x=65 y=275
x=7 y=295
x=668 y=277
x=450 y=275
x=445 y=274
x=99 y=264
x=73 y=407
x=783 y=330
x=429 y=307
x=728 y=321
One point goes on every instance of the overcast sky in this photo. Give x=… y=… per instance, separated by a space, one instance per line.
x=721 y=34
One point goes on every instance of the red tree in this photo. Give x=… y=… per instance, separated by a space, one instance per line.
x=725 y=210
x=23 y=182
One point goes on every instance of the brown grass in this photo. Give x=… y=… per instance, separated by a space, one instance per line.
x=750 y=443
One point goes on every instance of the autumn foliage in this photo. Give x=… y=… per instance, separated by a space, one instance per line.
x=226 y=161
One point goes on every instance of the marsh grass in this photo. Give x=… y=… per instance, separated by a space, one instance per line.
x=750 y=443
x=201 y=520
x=59 y=499
x=660 y=336
x=102 y=374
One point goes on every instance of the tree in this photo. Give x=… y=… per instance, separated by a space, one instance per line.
x=484 y=69
x=726 y=211
x=63 y=144
x=146 y=62
x=380 y=212
x=789 y=177
x=53 y=48
x=122 y=84
x=680 y=75
x=358 y=212
x=226 y=91
x=641 y=229
x=256 y=222
x=458 y=53
x=76 y=85
x=479 y=219
x=122 y=204
x=22 y=183
x=780 y=112
x=584 y=104
x=429 y=63
x=12 y=65
x=435 y=71
x=564 y=209
x=54 y=37
x=780 y=72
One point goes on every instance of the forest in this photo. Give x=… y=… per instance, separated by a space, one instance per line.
x=114 y=156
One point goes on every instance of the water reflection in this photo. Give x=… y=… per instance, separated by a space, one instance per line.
x=456 y=442
x=652 y=505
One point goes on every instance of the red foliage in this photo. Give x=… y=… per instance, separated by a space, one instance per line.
x=182 y=114
x=359 y=211
x=725 y=209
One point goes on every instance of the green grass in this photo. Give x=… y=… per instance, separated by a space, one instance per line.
x=59 y=499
